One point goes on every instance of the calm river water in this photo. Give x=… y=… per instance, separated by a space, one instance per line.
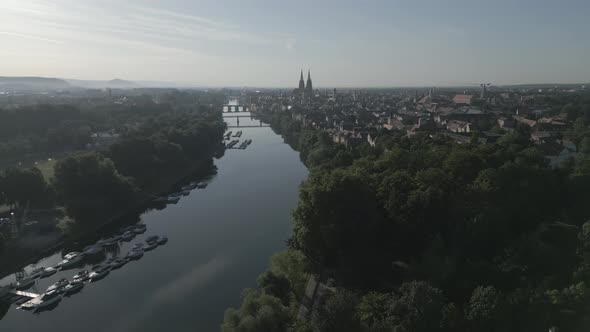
x=220 y=239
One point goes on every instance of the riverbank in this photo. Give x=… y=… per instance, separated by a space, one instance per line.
x=14 y=258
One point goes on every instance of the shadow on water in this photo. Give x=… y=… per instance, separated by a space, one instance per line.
x=4 y=306
x=47 y=308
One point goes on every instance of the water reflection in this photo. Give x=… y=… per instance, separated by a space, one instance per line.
x=221 y=239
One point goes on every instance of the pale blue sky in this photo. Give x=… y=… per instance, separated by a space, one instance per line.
x=266 y=43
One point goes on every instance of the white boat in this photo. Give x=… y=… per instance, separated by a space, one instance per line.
x=42 y=301
x=73 y=260
x=118 y=262
x=81 y=276
x=98 y=272
x=25 y=283
x=72 y=255
x=73 y=287
x=47 y=272
x=58 y=286
x=162 y=240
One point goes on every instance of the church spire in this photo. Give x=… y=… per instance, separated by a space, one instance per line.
x=309 y=85
x=301 y=83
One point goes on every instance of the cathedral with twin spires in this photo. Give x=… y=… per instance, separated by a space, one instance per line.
x=305 y=90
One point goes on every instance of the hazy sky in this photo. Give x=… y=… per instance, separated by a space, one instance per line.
x=266 y=43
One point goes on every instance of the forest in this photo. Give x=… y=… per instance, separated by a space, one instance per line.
x=155 y=148
x=424 y=234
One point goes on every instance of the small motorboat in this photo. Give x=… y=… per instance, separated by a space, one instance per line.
x=139 y=230
x=99 y=272
x=202 y=185
x=58 y=286
x=152 y=238
x=72 y=260
x=81 y=276
x=127 y=236
x=47 y=272
x=42 y=301
x=186 y=192
x=36 y=273
x=162 y=240
x=150 y=245
x=118 y=262
x=136 y=253
x=72 y=255
x=138 y=246
x=73 y=287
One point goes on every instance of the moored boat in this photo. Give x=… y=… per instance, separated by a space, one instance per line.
x=127 y=236
x=73 y=287
x=81 y=276
x=36 y=273
x=58 y=286
x=162 y=240
x=47 y=272
x=136 y=253
x=44 y=300
x=150 y=245
x=118 y=262
x=98 y=272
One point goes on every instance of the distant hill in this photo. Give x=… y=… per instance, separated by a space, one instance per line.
x=33 y=84
x=115 y=84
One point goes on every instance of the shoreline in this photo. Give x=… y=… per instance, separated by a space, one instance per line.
x=27 y=257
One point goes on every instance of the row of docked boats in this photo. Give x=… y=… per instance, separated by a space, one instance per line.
x=64 y=287
x=76 y=258
x=245 y=144
x=184 y=191
x=231 y=144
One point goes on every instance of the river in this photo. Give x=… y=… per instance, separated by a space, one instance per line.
x=220 y=239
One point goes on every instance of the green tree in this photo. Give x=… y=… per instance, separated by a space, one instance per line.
x=91 y=187
x=291 y=264
x=485 y=309
x=259 y=312
x=337 y=313
x=22 y=185
x=275 y=285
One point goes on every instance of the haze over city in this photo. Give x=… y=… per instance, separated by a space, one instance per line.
x=266 y=43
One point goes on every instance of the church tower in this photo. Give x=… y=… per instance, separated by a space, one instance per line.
x=301 y=84
x=309 y=87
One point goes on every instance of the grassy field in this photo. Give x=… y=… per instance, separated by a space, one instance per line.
x=46 y=168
